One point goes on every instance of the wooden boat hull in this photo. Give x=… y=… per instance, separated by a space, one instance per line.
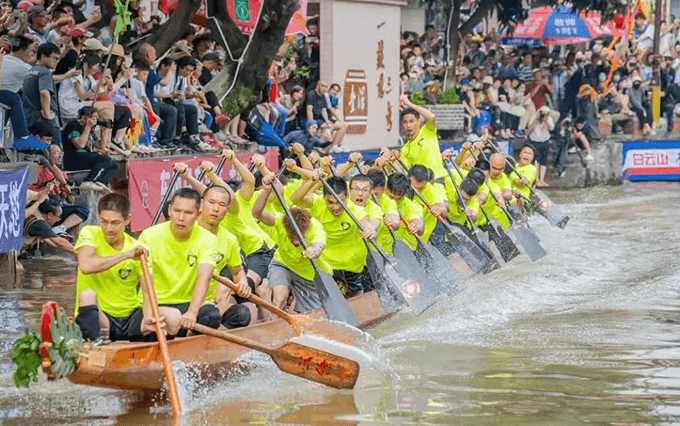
x=138 y=366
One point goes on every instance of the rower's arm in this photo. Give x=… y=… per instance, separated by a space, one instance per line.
x=303 y=196
x=259 y=213
x=247 y=178
x=205 y=272
x=91 y=263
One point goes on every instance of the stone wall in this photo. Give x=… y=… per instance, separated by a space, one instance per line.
x=605 y=169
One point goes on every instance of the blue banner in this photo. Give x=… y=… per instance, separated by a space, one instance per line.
x=13 y=186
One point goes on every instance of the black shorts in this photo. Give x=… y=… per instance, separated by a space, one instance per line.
x=208 y=315
x=542 y=152
x=258 y=261
x=352 y=283
x=126 y=328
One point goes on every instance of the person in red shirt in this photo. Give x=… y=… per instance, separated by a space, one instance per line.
x=538 y=88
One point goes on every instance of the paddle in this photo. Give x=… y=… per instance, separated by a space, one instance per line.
x=301 y=324
x=545 y=206
x=503 y=242
x=407 y=278
x=164 y=200
x=150 y=295
x=526 y=236
x=460 y=242
x=334 y=303
x=299 y=360
x=218 y=170
x=436 y=265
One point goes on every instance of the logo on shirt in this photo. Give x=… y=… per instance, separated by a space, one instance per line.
x=219 y=257
x=191 y=260
x=345 y=226
x=124 y=273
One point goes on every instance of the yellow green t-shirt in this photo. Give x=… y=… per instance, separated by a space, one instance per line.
x=175 y=263
x=273 y=205
x=228 y=255
x=497 y=187
x=116 y=287
x=387 y=206
x=410 y=210
x=424 y=150
x=249 y=239
x=527 y=171
x=433 y=194
x=345 y=249
x=290 y=256
x=245 y=212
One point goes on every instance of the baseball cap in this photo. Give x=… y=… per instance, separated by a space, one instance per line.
x=25 y=5
x=488 y=80
x=544 y=109
x=35 y=11
x=94 y=44
x=79 y=31
x=211 y=56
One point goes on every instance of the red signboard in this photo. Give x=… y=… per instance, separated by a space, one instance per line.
x=149 y=179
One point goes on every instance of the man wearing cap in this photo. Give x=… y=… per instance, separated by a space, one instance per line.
x=39 y=23
x=79 y=36
x=538 y=88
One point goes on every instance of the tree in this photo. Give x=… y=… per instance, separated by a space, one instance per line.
x=244 y=82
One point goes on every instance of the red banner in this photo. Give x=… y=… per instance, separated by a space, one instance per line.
x=149 y=180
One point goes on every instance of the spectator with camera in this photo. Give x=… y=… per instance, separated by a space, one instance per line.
x=538 y=131
x=80 y=140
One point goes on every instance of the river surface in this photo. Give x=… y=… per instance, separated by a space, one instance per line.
x=589 y=334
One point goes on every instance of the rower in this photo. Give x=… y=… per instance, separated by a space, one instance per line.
x=345 y=251
x=500 y=186
x=524 y=178
x=184 y=256
x=235 y=309
x=389 y=210
x=435 y=195
x=291 y=268
x=107 y=303
x=398 y=188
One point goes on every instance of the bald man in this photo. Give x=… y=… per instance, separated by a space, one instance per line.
x=501 y=187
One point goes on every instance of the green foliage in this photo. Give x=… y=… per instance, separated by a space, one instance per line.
x=448 y=96
x=26 y=356
x=238 y=100
x=418 y=98
x=301 y=72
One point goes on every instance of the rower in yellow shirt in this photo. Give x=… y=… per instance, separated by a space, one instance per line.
x=527 y=174
x=398 y=189
x=434 y=194
x=235 y=310
x=499 y=185
x=107 y=302
x=184 y=256
x=422 y=143
x=386 y=210
x=291 y=269
x=345 y=249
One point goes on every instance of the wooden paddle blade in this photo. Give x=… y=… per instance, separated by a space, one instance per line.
x=409 y=278
x=549 y=210
x=438 y=268
x=316 y=365
x=529 y=241
x=502 y=241
x=332 y=300
x=389 y=295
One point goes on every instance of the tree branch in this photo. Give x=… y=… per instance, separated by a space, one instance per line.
x=175 y=26
x=235 y=41
x=482 y=11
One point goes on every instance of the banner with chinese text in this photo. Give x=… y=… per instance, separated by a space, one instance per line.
x=653 y=160
x=13 y=185
x=149 y=179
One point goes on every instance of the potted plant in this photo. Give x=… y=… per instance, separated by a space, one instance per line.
x=445 y=105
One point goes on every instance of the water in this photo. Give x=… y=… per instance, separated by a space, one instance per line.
x=588 y=334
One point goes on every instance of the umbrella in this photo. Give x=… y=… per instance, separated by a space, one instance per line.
x=558 y=25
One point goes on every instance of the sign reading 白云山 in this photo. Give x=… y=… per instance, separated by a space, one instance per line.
x=13 y=185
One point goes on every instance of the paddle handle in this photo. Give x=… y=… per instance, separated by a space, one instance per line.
x=232 y=338
x=255 y=299
x=173 y=181
x=150 y=294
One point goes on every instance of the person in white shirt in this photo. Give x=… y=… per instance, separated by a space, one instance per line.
x=18 y=63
